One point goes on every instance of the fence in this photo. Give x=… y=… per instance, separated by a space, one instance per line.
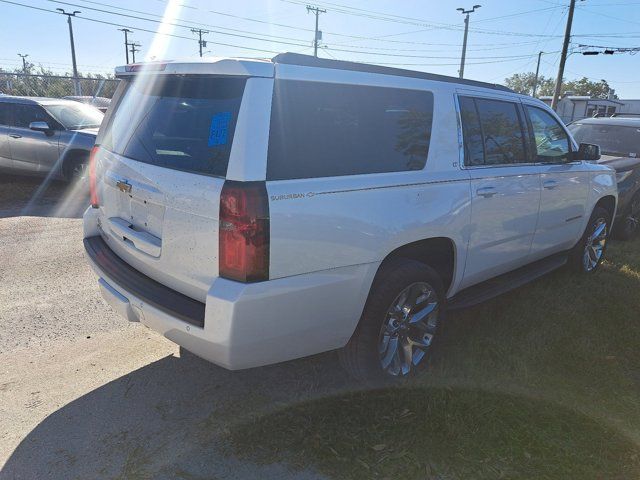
x=26 y=84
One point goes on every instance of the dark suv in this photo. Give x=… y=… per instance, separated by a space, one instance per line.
x=619 y=140
x=46 y=136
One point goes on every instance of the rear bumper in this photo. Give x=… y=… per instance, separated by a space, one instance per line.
x=244 y=325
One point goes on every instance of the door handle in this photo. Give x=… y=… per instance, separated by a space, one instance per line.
x=15 y=135
x=550 y=184
x=486 y=192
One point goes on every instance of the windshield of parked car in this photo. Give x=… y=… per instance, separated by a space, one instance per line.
x=613 y=139
x=76 y=116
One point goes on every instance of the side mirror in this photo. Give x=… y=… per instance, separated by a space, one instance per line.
x=588 y=151
x=40 y=127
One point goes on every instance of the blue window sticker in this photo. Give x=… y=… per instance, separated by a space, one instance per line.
x=219 y=130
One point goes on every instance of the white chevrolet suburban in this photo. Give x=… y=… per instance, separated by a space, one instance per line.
x=256 y=211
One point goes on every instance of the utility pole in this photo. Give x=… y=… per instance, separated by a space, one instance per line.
x=563 y=56
x=535 y=81
x=24 y=61
x=126 y=42
x=201 y=43
x=318 y=34
x=76 y=82
x=133 y=50
x=466 y=33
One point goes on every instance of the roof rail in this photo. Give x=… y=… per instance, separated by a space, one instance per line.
x=626 y=115
x=310 y=61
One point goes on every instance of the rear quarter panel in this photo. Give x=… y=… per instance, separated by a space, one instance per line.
x=324 y=223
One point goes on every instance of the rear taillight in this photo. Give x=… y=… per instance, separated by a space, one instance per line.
x=244 y=232
x=93 y=184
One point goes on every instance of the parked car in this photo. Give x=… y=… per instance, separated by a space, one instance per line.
x=619 y=140
x=260 y=211
x=46 y=136
x=101 y=103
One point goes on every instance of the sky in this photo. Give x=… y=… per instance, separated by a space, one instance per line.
x=504 y=36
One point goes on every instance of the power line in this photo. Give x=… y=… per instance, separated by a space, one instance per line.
x=251 y=36
x=143 y=29
x=412 y=21
x=250 y=48
x=184 y=23
x=357 y=37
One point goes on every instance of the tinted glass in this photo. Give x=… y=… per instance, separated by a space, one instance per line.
x=75 y=117
x=551 y=140
x=25 y=114
x=180 y=122
x=324 y=130
x=471 y=132
x=5 y=114
x=502 y=132
x=613 y=139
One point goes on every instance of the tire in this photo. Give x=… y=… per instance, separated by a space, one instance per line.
x=365 y=354
x=588 y=254
x=74 y=168
x=629 y=223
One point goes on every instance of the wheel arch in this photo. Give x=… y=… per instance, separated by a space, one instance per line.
x=608 y=202
x=437 y=252
x=71 y=155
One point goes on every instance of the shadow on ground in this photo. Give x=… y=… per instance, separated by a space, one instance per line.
x=167 y=420
x=41 y=197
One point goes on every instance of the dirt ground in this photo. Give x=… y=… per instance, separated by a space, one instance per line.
x=84 y=394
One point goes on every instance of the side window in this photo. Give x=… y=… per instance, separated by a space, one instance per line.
x=471 y=132
x=492 y=131
x=5 y=114
x=324 y=130
x=25 y=114
x=502 y=132
x=551 y=140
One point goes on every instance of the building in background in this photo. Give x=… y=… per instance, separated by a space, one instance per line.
x=576 y=107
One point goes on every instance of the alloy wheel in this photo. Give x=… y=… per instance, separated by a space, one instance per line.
x=408 y=329
x=594 y=248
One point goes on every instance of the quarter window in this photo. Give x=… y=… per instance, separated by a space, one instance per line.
x=493 y=133
x=324 y=130
x=551 y=140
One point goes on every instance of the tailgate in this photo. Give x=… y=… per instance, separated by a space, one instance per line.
x=162 y=164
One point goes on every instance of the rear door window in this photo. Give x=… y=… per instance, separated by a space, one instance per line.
x=493 y=132
x=5 y=114
x=180 y=122
x=325 y=130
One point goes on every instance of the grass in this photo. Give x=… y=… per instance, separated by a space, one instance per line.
x=540 y=383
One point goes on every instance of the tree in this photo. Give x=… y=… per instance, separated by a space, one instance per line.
x=523 y=83
x=584 y=86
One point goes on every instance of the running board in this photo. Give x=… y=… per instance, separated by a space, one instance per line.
x=484 y=291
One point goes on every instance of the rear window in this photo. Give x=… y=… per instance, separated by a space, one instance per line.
x=181 y=122
x=325 y=130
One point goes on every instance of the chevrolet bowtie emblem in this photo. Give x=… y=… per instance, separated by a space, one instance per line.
x=123 y=186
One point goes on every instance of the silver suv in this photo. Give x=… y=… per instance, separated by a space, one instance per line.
x=46 y=136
